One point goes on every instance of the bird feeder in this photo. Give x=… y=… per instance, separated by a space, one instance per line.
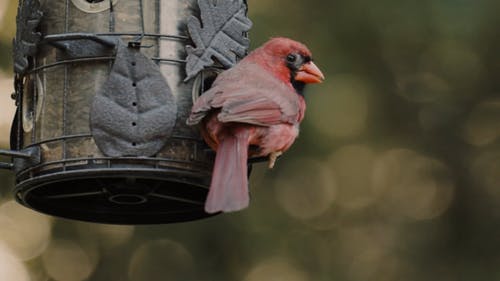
x=103 y=89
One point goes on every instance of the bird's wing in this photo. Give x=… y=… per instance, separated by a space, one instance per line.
x=249 y=94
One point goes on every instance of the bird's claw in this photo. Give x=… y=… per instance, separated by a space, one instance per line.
x=273 y=157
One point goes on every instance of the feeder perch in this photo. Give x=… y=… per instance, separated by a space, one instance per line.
x=103 y=89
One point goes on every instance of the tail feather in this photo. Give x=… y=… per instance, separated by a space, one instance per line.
x=229 y=188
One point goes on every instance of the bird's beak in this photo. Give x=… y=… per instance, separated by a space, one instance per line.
x=309 y=73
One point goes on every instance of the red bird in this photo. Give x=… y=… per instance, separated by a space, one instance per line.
x=253 y=109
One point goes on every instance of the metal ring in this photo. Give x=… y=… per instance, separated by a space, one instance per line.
x=128 y=199
x=88 y=7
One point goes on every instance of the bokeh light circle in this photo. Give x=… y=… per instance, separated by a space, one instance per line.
x=162 y=259
x=276 y=269
x=25 y=231
x=305 y=188
x=482 y=125
x=340 y=110
x=422 y=87
x=413 y=185
x=11 y=268
x=65 y=260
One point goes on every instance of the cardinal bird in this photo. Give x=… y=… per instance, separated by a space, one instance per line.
x=253 y=110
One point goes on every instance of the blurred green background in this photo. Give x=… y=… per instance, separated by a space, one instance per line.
x=395 y=175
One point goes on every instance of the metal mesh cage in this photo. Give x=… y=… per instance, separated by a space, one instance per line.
x=66 y=173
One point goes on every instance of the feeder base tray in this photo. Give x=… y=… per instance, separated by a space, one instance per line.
x=116 y=196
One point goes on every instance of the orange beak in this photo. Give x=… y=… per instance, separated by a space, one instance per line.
x=309 y=73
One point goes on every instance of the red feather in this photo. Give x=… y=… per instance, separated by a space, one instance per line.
x=253 y=103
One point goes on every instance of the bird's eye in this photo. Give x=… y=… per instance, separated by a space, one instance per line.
x=291 y=58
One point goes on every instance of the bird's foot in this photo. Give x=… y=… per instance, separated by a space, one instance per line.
x=273 y=157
